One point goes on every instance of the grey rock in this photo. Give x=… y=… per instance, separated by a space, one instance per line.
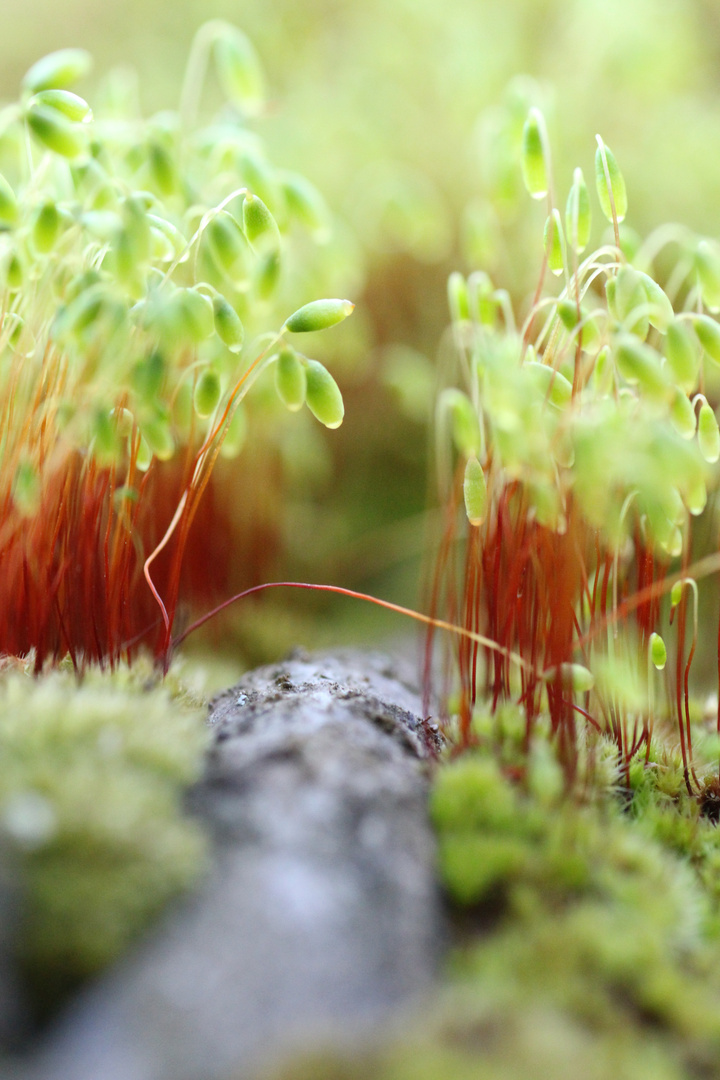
x=321 y=919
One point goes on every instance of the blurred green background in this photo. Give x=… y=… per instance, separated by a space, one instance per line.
x=406 y=115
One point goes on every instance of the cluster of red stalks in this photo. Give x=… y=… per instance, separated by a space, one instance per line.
x=531 y=600
x=100 y=568
x=104 y=559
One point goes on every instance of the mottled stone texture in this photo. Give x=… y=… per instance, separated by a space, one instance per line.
x=321 y=919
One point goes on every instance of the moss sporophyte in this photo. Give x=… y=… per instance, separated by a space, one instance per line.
x=143 y=290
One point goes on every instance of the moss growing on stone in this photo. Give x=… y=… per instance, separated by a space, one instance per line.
x=91 y=813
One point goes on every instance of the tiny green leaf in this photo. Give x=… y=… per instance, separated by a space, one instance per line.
x=534 y=155
x=323 y=396
x=318 y=315
x=609 y=183
x=474 y=491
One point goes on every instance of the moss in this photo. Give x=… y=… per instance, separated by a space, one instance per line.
x=91 y=810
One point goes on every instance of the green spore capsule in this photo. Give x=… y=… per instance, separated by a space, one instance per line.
x=267 y=274
x=658 y=652
x=207 y=393
x=57 y=70
x=631 y=301
x=707 y=262
x=661 y=313
x=318 y=315
x=158 y=436
x=682 y=414
x=603 y=372
x=290 y=379
x=148 y=376
x=259 y=224
x=474 y=491
x=676 y=594
x=8 y=203
x=610 y=185
x=143 y=458
x=696 y=496
x=458 y=302
x=306 y=204
x=578 y=217
x=708 y=334
x=708 y=434
x=465 y=426
x=552 y=384
x=228 y=246
x=575 y=676
x=163 y=169
x=55 y=132
x=239 y=70
x=106 y=440
x=639 y=365
x=554 y=243
x=323 y=396
x=70 y=105
x=534 y=155
x=46 y=228
x=228 y=325
x=195 y=319
x=682 y=355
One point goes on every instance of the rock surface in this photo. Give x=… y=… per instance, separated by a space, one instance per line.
x=321 y=917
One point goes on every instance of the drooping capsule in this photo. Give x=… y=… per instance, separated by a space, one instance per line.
x=290 y=379
x=658 y=652
x=318 y=315
x=708 y=434
x=474 y=491
x=323 y=395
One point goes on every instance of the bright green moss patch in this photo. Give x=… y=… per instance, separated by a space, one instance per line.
x=589 y=941
x=91 y=813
